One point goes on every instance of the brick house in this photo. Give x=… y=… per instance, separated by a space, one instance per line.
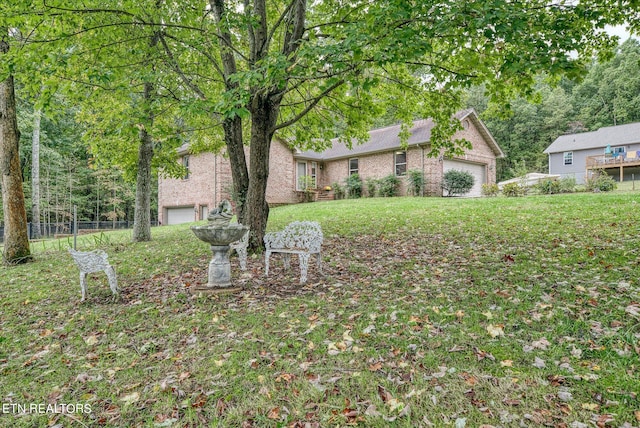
x=209 y=178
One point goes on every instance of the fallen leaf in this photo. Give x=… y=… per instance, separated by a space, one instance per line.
x=633 y=310
x=130 y=398
x=375 y=366
x=91 y=340
x=539 y=363
x=274 y=413
x=495 y=330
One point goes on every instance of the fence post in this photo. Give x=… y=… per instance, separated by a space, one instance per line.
x=75 y=226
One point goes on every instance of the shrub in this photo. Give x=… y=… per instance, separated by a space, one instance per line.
x=338 y=190
x=549 y=187
x=457 y=182
x=353 y=185
x=490 y=189
x=415 y=181
x=371 y=185
x=389 y=186
x=600 y=182
x=568 y=185
x=513 y=190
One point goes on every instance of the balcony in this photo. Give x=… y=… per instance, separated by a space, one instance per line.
x=609 y=161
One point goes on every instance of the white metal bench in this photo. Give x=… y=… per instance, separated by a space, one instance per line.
x=241 y=248
x=94 y=261
x=303 y=238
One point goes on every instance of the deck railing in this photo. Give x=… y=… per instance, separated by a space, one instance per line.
x=610 y=161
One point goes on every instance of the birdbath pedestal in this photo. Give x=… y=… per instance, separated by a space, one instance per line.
x=218 y=237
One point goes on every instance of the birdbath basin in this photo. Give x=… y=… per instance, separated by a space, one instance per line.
x=219 y=237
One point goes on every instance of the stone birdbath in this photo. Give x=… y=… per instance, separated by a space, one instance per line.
x=219 y=234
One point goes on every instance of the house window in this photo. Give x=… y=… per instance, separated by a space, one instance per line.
x=353 y=166
x=568 y=158
x=314 y=174
x=400 y=161
x=185 y=164
x=301 y=183
x=618 y=151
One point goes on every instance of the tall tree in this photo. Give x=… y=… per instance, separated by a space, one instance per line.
x=16 y=238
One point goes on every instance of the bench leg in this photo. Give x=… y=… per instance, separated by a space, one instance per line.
x=267 y=254
x=304 y=266
x=242 y=255
x=287 y=260
x=319 y=263
x=113 y=280
x=83 y=285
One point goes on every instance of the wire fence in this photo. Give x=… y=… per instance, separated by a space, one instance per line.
x=62 y=229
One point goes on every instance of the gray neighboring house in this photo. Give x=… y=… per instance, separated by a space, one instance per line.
x=616 y=149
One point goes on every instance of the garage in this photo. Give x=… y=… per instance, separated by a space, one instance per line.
x=179 y=215
x=477 y=170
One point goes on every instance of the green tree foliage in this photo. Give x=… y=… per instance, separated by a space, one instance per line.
x=610 y=93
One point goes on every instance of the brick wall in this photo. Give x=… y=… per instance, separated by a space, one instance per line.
x=196 y=191
x=380 y=165
x=210 y=181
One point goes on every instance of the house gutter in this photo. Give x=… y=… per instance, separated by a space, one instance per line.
x=215 y=180
x=423 y=172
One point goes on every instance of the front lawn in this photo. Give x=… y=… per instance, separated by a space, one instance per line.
x=431 y=311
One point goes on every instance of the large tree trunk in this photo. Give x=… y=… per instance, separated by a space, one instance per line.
x=16 y=238
x=35 y=176
x=235 y=149
x=264 y=114
x=232 y=126
x=142 y=212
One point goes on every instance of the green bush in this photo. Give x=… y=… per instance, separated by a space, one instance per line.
x=457 y=182
x=600 y=182
x=353 y=185
x=371 y=184
x=389 y=186
x=490 y=189
x=549 y=187
x=415 y=182
x=552 y=187
x=338 y=191
x=568 y=185
x=513 y=190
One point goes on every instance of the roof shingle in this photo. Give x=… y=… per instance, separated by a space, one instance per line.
x=608 y=136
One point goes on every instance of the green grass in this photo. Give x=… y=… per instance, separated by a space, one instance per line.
x=496 y=311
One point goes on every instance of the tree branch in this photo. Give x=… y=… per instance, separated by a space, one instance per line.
x=311 y=105
x=176 y=67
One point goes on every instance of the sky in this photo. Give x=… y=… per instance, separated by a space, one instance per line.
x=618 y=30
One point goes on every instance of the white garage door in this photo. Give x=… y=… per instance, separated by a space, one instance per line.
x=478 y=172
x=180 y=215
